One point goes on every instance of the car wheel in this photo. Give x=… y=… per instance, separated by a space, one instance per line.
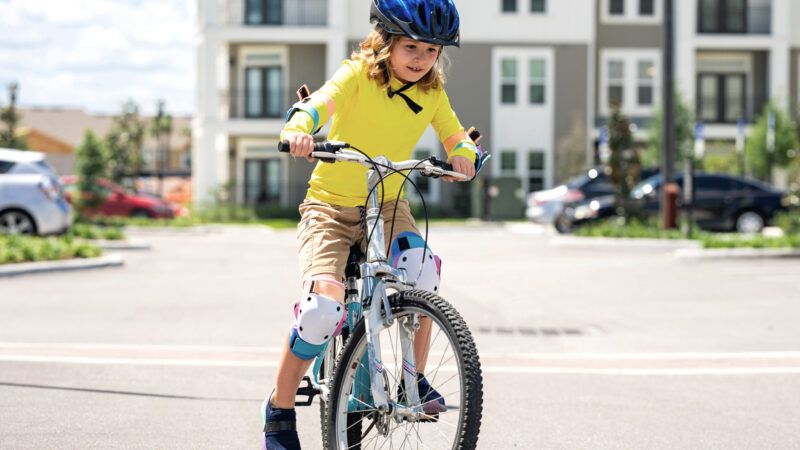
x=140 y=213
x=749 y=222
x=16 y=222
x=563 y=224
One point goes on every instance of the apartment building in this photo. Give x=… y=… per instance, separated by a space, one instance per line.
x=535 y=76
x=731 y=58
x=521 y=76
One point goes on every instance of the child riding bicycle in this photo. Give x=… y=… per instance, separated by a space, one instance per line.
x=381 y=100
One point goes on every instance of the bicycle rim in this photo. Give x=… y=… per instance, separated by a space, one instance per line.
x=452 y=369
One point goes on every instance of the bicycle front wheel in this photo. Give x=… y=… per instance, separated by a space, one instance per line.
x=452 y=370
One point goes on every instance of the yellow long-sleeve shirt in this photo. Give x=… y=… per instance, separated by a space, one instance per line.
x=365 y=116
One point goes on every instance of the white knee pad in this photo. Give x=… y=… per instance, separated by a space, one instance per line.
x=409 y=252
x=317 y=319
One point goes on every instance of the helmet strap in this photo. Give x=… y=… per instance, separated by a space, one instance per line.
x=411 y=104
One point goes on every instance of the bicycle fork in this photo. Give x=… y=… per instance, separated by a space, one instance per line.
x=375 y=322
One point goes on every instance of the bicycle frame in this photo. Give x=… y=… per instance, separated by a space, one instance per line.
x=377 y=276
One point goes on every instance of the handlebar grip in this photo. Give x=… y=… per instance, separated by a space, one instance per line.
x=447 y=166
x=324 y=146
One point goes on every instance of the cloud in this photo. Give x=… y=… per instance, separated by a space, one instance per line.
x=97 y=53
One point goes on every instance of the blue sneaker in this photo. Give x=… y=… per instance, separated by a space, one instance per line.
x=432 y=401
x=280 y=427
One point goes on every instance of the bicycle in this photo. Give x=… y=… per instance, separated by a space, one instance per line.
x=358 y=376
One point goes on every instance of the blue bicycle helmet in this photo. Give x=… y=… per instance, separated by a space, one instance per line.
x=431 y=21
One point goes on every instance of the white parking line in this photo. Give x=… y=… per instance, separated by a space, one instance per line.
x=140 y=347
x=651 y=356
x=585 y=363
x=693 y=371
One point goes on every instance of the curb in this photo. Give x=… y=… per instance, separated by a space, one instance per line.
x=676 y=244
x=11 y=270
x=198 y=230
x=738 y=253
x=130 y=244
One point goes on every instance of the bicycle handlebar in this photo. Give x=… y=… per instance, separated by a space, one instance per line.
x=331 y=151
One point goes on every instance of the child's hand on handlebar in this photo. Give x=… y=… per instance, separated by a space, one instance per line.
x=462 y=165
x=300 y=144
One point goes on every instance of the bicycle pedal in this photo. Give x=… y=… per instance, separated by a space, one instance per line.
x=308 y=391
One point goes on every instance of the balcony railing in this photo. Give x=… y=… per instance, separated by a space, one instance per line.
x=256 y=13
x=243 y=104
x=734 y=16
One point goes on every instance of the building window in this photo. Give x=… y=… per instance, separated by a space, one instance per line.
x=423 y=183
x=264 y=12
x=509 y=6
x=535 y=170
x=629 y=79
x=646 y=74
x=721 y=98
x=630 y=11
x=263 y=92
x=537 y=81
x=616 y=82
x=508 y=162
x=262 y=181
x=722 y=16
x=508 y=87
x=538 y=6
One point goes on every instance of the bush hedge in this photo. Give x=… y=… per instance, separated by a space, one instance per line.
x=17 y=249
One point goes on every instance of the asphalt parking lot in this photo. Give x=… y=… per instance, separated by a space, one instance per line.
x=581 y=347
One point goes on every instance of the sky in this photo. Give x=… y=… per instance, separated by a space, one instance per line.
x=95 y=54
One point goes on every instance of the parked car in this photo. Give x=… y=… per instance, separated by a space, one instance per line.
x=31 y=196
x=120 y=202
x=546 y=206
x=721 y=203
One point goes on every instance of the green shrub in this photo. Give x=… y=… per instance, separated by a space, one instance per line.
x=739 y=241
x=17 y=249
x=721 y=163
x=89 y=231
x=616 y=227
x=789 y=222
x=225 y=213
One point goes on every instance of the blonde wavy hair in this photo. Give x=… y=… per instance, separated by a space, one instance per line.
x=376 y=50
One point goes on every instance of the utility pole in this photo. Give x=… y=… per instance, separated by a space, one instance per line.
x=770 y=144
x=740 y=146
x=669 y=191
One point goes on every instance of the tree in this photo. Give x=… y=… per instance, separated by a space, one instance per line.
x=10 y=117
x=684 y=134
x=124 y=143
x=161 y=129
x=623 y=165
x=758 y=158
x=572 y=150
x=91 y=160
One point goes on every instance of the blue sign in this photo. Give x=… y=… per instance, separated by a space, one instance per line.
x=603 y=136
x=698 y=130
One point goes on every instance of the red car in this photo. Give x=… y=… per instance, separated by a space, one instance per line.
x=120 y=202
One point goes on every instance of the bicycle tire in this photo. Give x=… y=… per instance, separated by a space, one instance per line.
x=466 y=356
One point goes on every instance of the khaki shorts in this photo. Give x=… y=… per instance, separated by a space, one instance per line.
x=326 y=232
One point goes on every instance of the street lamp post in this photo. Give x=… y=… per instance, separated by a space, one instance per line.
x=670 y=191
x=770 y=144
x=603 y=148
x=740 y=146
x=688 y=178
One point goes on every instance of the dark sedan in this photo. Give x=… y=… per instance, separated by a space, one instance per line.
x=722 y=203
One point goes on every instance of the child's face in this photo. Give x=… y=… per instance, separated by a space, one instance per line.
x=411 y=60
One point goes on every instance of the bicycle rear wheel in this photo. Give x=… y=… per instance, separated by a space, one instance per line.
x=453 y=370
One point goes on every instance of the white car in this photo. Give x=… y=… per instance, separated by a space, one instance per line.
x=31 y=196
